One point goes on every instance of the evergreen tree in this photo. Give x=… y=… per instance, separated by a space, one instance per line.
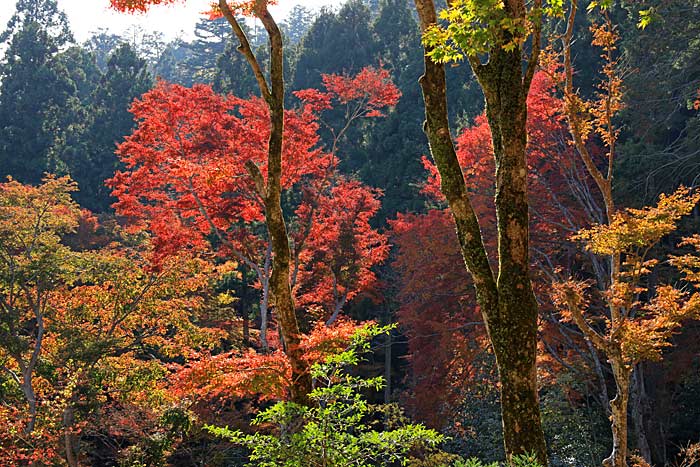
x=231 y=73
x=394 y=143
x=169 y=66
x=66 y=124
x=297 y=23
x=33 y=84
x=102 y=44
x=336 y=43
x=43 y=12
x=92 y=160
x=211 y=40
x=656 y=157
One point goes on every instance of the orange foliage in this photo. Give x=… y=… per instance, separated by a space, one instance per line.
x=238 y=375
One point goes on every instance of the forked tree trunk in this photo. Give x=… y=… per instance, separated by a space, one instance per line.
x=513 y=326
x=506 y=300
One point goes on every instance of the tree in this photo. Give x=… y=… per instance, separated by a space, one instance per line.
x=341 y=41
x=34 y=263
x=102 y=44
x=199 y=159
x=123 y=320
x=653 y=158
x=269 y=189
x=441 y=290
x=125 y=79
x=44 y=13
x=297 y=23
x=443 y=330
x=173 y=147
x=212 y=37
x=33 y=86
x=638 y=321
x=637 y=329
x=500 y=32
x=340 y=247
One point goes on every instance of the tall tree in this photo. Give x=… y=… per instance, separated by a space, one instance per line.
x=32 y=84
x=639 y=320
x=498 y=31
x=297 y=23
x=269 y=188
x=211 y=40
x=102 y=43
x=34 y=263
x=336 y=41
x=125 y=79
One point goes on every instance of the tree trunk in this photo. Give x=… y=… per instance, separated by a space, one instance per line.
x=387 y=367
x=618 y=407
x=514 y=326
x=264 y=315
x=271 y=192
x=68 y=436
x=28 y=391
x=246 y=329
x=507 y=303
x=279 y=281
x=638 y=399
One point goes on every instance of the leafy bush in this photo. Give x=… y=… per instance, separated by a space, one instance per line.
x=338 y=428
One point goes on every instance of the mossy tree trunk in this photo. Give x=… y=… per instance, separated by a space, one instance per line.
x=505 y=297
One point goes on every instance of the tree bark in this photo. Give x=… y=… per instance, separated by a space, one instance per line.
x=68 y=437
x=618 y=406
x=30 y=396
x=507 y=302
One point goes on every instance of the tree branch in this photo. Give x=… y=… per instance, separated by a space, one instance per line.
x=246 y=49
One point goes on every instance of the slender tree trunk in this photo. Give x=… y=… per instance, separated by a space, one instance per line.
x=28 y=369
x=279 y=281
x=507 y=302
x=387 y=368
x=638 y=399
x=264 y=315
x=30 y=396
x=271 y=192
x=339 y=304
x=69 y=437
x=618 y=407
x=246 y=329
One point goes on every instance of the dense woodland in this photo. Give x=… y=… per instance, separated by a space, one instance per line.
x=272 y=245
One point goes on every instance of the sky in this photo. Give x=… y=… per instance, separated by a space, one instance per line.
x=173 y=20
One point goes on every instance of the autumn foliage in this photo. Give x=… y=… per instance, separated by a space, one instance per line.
x=186 y=181
x=244 y=374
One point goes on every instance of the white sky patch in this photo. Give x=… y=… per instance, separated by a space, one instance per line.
x=176 y=20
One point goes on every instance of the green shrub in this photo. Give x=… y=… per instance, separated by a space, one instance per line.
x=340 y=428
